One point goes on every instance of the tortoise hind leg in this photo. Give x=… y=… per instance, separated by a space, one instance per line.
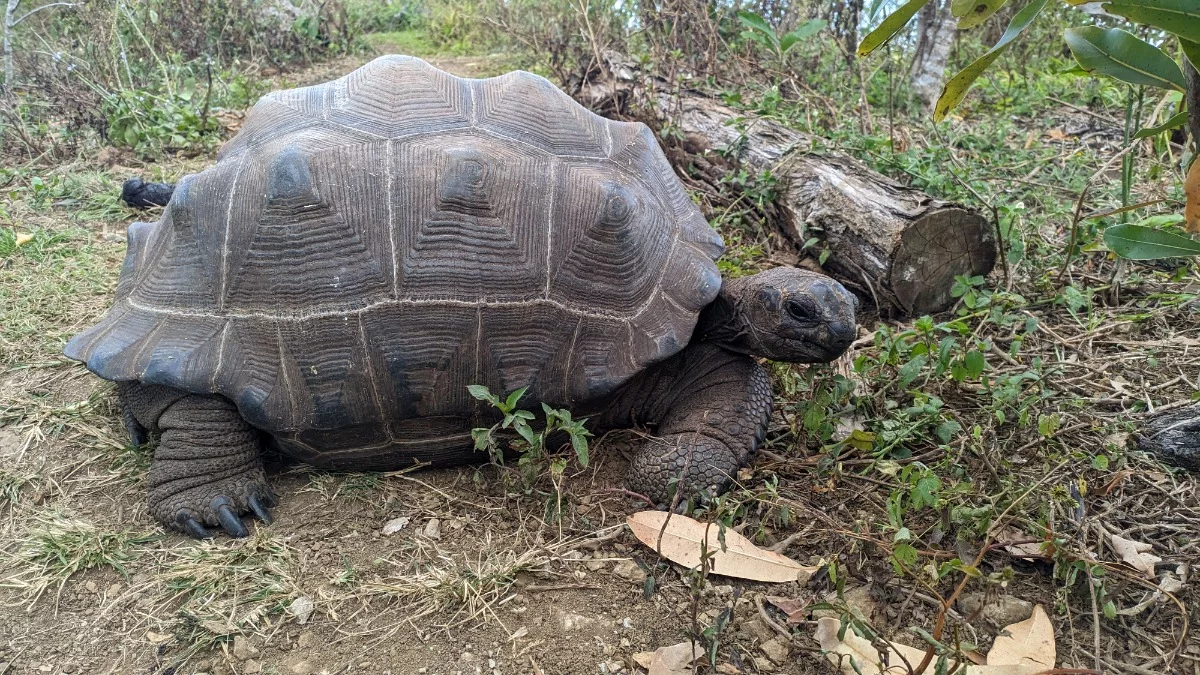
x=207 y=470
x=711 y=408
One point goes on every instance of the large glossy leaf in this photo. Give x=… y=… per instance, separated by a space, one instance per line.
x=1124 y=56
x=1181 y=17
x=957 y=87
x=805 y=30
x=1175 y=122
x=1138 y=242
x=971 y=13
x=890 y=26
x=1192 y=51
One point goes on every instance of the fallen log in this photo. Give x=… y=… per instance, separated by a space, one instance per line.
x=896 y=244
x=1173 y=437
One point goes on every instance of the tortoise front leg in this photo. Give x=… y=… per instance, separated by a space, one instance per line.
x=207 y=469
x=710 y=408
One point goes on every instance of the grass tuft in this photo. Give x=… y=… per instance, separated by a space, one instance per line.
x=227 y=588
x=57 y=547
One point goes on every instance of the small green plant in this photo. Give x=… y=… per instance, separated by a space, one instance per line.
x=761 y=32
x=532 y=443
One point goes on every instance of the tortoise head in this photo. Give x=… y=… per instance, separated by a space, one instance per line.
x=782 y=314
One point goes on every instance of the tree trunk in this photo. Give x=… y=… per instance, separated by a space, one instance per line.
x=1173 y=437
x=897 y=245
x=1193 y=104
x=936 y=29
x=9 y=23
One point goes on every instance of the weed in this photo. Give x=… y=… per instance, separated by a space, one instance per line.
x=357 y=487
x=531 y=444
x=228 y=588
x=56 y=547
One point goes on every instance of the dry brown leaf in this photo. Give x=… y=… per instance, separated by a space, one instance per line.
x=738 y=558
x=1057 y=134
x=1028 y=643
x=1135 y=553
x=1191 y=191
x=674 y=660
x=856 y=655
x=794 y=609
x=23 y=238
x=1010 y=533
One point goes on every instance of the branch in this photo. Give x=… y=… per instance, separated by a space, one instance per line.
x=35 y=10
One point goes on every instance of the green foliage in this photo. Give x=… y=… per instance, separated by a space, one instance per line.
x=758 y=30
x=1124 y=56
x=890 y=26
x=1141 y=242
x=956 y=88
x=531 y=443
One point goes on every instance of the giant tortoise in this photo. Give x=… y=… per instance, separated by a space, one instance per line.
x=365 y=249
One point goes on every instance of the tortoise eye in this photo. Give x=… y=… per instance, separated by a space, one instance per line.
x=800 y=312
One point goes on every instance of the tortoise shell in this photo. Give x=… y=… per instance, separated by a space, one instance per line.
x=365 y=249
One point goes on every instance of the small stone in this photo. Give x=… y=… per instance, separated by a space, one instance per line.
x=433 y=529
x=764 y=665
x=466 y=657
x=301 y=608
x=303 y=668
x=568 y=621
x=243 y=649
x=395 y=525
x=776 y=650
x=723 y=591
x=252 y=666
x=756 y=628
x=594 y=565
x=91 y=586
x=1004 y=610
x=306 y=640
x=628 y=569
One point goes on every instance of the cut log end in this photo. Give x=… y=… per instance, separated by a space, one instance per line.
x=941 y=245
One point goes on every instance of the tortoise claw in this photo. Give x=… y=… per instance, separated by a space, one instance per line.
x=260 y=509
x=229 y=520
x=193 y=527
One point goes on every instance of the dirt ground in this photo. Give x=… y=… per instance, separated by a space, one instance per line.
x=479 y=580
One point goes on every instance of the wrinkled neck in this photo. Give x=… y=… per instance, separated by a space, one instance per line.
x=722 y=324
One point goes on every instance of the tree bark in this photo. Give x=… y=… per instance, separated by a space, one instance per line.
x=898 y=246
x=1193 y=104
x=936 y=29
x=9 y=23
x=1173 y=437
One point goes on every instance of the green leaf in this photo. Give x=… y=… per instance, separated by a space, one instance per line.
x=905 y=554
x=580 y=445
x=890 y=26
x=482 y=393
x=756 y=22
x=1191 y=50
x=1173 y=123
x=527 y=433
x=957 y=87
x=971 y=13
x=1180 y=17
x=975 y=363
x=514 y=397
x=1124 y=56
x=924 y=493
x=805 y=30
x=1138 y=242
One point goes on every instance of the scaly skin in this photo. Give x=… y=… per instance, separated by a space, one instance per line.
x=709 y=407
x=207 y=469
